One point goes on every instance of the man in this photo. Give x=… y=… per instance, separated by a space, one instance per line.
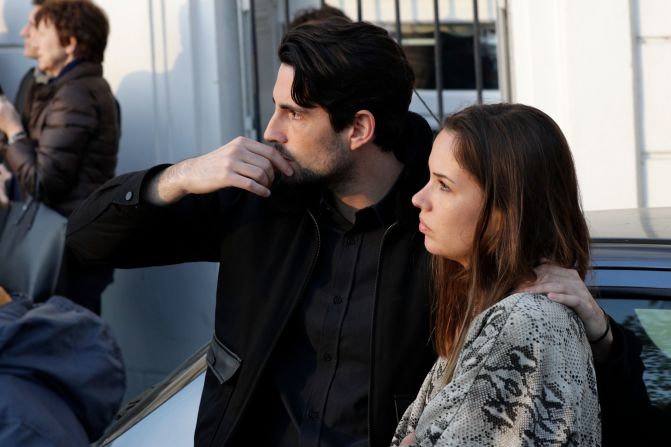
x=322 y=328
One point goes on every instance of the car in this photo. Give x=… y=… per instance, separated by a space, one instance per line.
x=630 y=276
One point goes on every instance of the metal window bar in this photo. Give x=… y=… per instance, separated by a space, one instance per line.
x=503 y=51
x=359 y=10
x=438 y=55
x=397 y=7
x=476 y=51
x=287 y=15
x=255 y=73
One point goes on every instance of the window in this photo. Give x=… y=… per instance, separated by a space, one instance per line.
x=456 y=55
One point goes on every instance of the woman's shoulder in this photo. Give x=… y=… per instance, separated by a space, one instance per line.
x=522 y=314
x=530 y=304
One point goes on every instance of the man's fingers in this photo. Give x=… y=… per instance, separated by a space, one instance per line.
x=567 y=300
x=271 y=154
x=267 y=152
x=250 y=185
x=258 y=169
x=546 y=287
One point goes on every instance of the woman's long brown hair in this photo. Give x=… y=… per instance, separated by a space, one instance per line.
x=531 y=211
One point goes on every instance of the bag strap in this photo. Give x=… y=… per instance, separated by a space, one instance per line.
x=32 y=203
x=36 y=184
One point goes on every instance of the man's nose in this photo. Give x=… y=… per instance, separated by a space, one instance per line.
x=274 y=132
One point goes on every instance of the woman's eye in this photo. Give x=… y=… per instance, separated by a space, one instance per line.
x=443 y=186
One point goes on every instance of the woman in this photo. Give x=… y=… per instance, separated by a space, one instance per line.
x=514 y=368
x=72 y=142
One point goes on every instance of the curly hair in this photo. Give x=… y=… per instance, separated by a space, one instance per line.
x=80 y=19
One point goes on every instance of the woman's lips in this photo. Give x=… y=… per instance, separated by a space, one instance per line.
x=422 y=227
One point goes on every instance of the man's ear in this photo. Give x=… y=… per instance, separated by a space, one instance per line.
x=362 y=130
x=71 y=46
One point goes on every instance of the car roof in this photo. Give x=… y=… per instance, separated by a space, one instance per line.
x=638 y=225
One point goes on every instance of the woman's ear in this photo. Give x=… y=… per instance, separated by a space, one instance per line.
x=362 y=130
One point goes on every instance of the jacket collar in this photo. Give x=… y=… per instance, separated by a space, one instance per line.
x=77 y=69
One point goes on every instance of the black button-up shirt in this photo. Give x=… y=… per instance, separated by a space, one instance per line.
x=315 y=390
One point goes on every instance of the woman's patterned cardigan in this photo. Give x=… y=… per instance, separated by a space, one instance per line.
x=524 y=378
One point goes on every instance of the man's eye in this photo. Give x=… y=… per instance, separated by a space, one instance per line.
x=295 y=115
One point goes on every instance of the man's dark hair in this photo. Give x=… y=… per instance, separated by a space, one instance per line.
x=80 y=19
x=38 y=2
x=346 y=67
x=314 y=15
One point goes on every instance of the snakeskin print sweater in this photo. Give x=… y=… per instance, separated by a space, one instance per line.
x=525 y=377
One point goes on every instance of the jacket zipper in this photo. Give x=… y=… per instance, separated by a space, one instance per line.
x=279 y=333
x=372 y=330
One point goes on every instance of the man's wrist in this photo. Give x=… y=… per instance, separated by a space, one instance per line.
x=602 y=346
x=163 y=187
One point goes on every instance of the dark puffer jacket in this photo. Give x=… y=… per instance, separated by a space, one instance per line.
x=61 y=374
x=73 y=138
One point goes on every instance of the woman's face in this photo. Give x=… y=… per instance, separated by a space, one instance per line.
x=52 y=56
x=450 y=203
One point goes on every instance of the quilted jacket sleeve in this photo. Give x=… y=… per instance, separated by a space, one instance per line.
x=71 y=120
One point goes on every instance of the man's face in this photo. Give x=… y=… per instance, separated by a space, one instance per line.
x=306 y=138
x=52 y=56
x=28 y=34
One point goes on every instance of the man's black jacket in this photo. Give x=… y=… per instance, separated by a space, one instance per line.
x=267 y=249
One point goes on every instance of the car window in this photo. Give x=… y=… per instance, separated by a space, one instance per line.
x=650 y=320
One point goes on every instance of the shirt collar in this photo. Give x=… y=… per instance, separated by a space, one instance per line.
x=380 y=214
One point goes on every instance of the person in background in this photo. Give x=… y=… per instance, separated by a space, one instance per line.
x=34 y=77
x=514 y=368
x=31 y=80
x=72 y=141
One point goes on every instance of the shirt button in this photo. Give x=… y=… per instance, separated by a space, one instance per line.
x=129 y=195
x=327 y=357
x=313 y=414
x=349 y=240
x=337 y=299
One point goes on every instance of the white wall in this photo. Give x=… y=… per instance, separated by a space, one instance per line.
x=652 y=51
x=601 y=68
x=573 y=59
x=173 y=65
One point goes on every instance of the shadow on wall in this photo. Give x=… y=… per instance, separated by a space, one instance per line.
x=160 y=315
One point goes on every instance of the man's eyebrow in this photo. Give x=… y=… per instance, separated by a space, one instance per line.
x=291 y=107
